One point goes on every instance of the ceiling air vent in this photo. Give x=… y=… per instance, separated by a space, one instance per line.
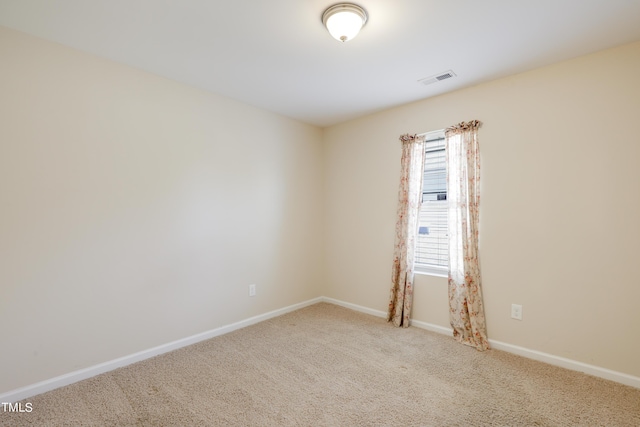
x=438 y=77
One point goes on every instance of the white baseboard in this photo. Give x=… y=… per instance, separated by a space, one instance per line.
x=354 y=307
x=551 y=359
x=573 y=365
x=83 y=374
x=379 y=313
x=433 y=328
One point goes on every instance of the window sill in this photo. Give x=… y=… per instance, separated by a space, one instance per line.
x=432 y=271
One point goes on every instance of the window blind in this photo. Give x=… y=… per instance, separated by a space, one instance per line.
x=432 y=242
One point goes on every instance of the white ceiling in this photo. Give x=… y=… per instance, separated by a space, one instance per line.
x=276 y=54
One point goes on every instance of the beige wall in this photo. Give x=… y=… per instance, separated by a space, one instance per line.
x=136 y=211
x=560 y=214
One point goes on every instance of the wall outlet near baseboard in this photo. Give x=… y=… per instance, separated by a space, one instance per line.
x=516 y=311
x=252 y=290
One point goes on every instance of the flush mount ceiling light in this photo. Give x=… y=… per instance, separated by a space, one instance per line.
x=344 y=20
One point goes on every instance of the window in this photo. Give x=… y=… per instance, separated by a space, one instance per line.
x=432 y=247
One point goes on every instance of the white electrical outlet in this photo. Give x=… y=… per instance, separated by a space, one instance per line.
x=516 y=311
x=252 y=290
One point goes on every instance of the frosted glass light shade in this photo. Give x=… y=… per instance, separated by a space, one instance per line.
x=344 y=20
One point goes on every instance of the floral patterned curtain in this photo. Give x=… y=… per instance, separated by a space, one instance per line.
x=466 y=311
x=409 y=199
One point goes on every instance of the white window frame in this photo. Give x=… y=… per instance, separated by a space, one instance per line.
x=430 y=269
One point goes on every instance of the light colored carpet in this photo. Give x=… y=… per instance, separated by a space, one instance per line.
x=328 y=366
